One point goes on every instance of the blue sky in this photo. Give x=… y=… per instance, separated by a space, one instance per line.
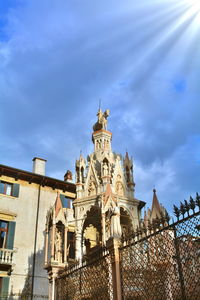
x=58 y=58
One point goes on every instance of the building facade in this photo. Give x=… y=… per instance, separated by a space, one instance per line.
x=25 y=198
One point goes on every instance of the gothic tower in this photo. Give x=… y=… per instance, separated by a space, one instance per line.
x=105 y=188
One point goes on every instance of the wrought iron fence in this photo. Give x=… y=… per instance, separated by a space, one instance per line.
x=160 y=261
x=87 y=280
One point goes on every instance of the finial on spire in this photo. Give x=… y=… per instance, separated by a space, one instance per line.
x=99 y=103
x=102 y=120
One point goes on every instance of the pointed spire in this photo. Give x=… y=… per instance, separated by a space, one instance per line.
x=145 y=218
x=58 y=204
x=127 y=161
x=156 y=209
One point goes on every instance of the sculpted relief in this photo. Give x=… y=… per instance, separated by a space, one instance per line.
x=105 y=169
x=119 y=189
x=92 y=188
x=58 y=246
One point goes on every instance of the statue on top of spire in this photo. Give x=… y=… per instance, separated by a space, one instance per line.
x=102 y=120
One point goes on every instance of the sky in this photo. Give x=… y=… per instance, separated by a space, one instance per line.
x=141 y=58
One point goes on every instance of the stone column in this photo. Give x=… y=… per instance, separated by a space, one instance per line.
x=103 y=228
x=113 y=246
x=53 y=291
x=65 y=245
x=50 y=289
x=53 y=241
x=78 y=246
x=46 y=245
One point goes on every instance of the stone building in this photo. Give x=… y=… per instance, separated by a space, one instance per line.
x=105 y=205
x=47 y=224
x=25 y=198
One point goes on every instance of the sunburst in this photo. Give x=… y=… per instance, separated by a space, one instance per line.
x=195 y=4
x=194 y=8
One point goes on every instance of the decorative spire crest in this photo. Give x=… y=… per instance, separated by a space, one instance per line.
x=102 y=120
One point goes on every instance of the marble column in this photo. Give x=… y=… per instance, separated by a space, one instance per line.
x=65 y=245
x=53 y=241
x=46 y=245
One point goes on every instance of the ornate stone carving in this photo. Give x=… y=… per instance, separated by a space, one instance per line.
x=115 y=227
x=58 y=246
x=91 y=188
x=105 y=169
x=119 y=189
x=102 y=120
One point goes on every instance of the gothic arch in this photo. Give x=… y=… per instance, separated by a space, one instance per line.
x=91 y=229
x=59 y=242
x=126 y=222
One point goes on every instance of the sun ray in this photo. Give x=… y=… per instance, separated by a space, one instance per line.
x=165 y=40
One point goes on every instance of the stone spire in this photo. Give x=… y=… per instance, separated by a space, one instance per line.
x=101 y=137
x=156 y=209
x=80 y=169
x=128 y=169
x=58 y=204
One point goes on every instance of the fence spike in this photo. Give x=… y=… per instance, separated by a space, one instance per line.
x=192 y=204
x=198 y=200
x=182 y=209
x=176 y=212
x=167 y=217
x=187 y=207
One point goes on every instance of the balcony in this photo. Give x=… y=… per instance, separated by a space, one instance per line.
x=6 y=258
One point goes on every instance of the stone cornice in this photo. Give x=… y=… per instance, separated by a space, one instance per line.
x=36 y=178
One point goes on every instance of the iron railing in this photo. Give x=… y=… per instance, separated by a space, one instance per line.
x=87 y=280
x=159 y=261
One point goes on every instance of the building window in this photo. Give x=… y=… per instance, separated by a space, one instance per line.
x=3 y=233
x=6 y=188
x=66 y=202
x=4 y=285
x=7 y=233
x=9 y=189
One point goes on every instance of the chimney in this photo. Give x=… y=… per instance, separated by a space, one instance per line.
x=39 y=165
x=68 y=176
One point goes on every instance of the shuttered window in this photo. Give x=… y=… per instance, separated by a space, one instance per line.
x=9 y=189
x=11 y=235
x=4 y=285
x=7 y=234
x=3 y=233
